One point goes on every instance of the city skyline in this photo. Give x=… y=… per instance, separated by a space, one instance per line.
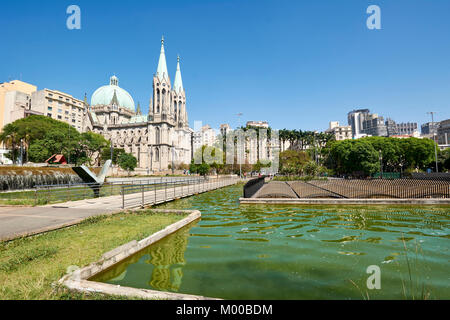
x=400 y=71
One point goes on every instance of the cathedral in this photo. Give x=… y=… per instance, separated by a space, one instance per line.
x=158 y=140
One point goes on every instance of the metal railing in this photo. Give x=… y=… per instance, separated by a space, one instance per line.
x=150 y=194
x=43 y=194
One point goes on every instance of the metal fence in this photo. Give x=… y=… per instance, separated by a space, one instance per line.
x=252 y=186
x=43 y=194
x=358 y=189
x=142 y=195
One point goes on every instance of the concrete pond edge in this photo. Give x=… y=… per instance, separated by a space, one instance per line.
x=78 y=279
x=345 y=201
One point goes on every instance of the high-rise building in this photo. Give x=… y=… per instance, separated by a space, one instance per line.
x=429 y=128
x=407 y=128
x=443 y=133
x=16 y=101
x=340 y=132
x=401 y=129
x=258 y=124
x=355 y=121
x=373 y=125
x=364 y=123
x=14 y=105
x=60 y=106
x=391 y=127
x=206 y=136
x=225 y=129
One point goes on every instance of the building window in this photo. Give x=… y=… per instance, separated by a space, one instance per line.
x=73 y=120
x=59 y=110
x=66 y=112
x=49 y=115
x=49 y=108
x=158 y=136
x=59 y=117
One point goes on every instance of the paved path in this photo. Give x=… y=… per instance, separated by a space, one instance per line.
x=22 y=221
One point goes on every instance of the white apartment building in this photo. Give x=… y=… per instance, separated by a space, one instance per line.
x=205 y=136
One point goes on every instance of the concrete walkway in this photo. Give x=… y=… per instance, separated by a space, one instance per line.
x=24 y=221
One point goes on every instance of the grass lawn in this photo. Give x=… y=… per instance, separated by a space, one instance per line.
x=29 y=266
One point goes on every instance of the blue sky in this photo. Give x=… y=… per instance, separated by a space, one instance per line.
x=298 y=64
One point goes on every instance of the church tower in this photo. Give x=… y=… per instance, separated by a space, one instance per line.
x=160 y=106
x=179 y=99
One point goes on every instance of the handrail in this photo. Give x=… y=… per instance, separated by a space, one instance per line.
x=168 y=190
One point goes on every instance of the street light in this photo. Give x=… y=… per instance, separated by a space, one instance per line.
x=239 y=149
x=21 y=152
x=173 y=156
x=434 y=134
x=111 y=149
x=381 y=163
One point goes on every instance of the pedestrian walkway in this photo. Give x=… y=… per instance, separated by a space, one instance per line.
x=22 y=221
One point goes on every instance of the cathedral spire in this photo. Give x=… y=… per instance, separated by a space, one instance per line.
x=162 y=65
x=138 y=109
x=178 y=83
x=114 y=99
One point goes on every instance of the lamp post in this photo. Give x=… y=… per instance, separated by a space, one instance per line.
x=21 y=152
x=173 y=156
x=381 y=164
x=68 y=151
x=111 y=149
x=239 y=147
x=435 y=143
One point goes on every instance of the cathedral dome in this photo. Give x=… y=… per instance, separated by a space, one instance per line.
x=105 y=95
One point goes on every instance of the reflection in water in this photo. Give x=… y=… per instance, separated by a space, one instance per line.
x=168 y=260
x=163 y=262
x=295 y=252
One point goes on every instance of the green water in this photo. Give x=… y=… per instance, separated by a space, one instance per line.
x=295 y=252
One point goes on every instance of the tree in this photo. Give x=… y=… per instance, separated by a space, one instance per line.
x=292 y=162
x=363 y=155
x=260 y=165
x=93 y=143
x=311 y=169
x=127 y=162
x=42 y=137
x=445 y=160
x=106 y=154
x=363 y=158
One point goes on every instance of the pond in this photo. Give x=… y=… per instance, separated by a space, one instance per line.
x=295 y=252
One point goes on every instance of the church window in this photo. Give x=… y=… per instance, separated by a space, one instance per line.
x=157 y=154
x=158 y=136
